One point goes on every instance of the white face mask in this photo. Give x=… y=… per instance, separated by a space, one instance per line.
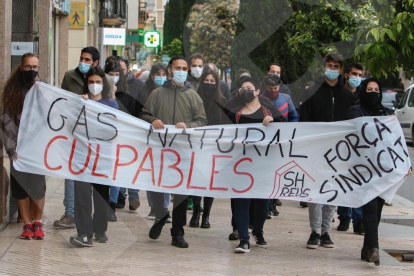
x=95 y=89
x=196 y=72
x=115 y=78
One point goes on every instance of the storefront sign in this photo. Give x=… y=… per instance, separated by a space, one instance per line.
x=114 y=36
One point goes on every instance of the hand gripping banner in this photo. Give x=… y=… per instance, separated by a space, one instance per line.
x=341 y=163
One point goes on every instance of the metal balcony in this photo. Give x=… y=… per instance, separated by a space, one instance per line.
x=113 y=12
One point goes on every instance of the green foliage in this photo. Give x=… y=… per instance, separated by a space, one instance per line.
x=173 y=23
x=212 y=27
x=174 y=48
x=378 y=32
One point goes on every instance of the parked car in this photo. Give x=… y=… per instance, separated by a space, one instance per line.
x=390 y=100
x=405 y=113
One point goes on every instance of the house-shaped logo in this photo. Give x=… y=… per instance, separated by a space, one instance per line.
x=292 y=181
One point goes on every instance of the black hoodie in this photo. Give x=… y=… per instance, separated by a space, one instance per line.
x=325 y=103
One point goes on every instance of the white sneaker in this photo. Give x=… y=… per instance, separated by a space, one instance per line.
x=243 y=247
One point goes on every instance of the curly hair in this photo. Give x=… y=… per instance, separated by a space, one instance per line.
x=97 y=71
x=12 y=94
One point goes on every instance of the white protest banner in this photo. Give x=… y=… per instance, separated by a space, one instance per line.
x=343 y=163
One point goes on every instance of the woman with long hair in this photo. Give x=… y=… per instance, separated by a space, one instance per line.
x=28 y=189
x=209 y=91
x=128 y=105
x=253 y=110
x=156 y=79
x=98 y=88
x=370 y=105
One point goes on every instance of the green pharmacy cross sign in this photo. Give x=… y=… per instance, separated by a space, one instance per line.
x=151 y=39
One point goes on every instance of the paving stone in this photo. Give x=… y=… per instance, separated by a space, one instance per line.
x=129 y=250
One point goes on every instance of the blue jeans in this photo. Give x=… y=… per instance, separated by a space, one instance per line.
x=241 y=213
x=132 y=193
x=69 y=198
x=167 y=199
x=348 y=213
x=113 y=194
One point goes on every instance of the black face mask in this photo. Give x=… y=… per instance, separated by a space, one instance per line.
x=30 y=75
x=247 y=96
x=372 y=100
x=209 y=88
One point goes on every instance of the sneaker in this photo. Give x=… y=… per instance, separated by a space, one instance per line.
x=260 y=241
x=101 y=237
x=326 y=241
x=179 y=241
x=269 y=215
x=156 y=228
x=27 y=233
x=243 y=247
x=151 y=215
x=278 y=202
x=169 y=219
x=359 y=228
x=111 y=215
x=275 y=212
x=234 y=236
x=313 y=241
x=134 y=204
x=66 y=221
x=120 y=204
x=303 y=204
x=81 y=241
x=38 y=233
x=343 y=224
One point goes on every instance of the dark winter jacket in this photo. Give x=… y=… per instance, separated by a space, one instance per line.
x=135 y=87
x=127 y=103
x=225 y=90
x=215 y=115
x=357 y=111
x=325 y=103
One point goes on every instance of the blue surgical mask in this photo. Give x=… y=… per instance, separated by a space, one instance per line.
x=180 y=77
x=159 y=80
x=84 y=67
x=354 y=82
x=332 y=74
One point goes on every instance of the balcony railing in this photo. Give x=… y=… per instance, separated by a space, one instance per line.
x=113 y=12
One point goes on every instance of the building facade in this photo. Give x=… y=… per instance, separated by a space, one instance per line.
x=41 y=27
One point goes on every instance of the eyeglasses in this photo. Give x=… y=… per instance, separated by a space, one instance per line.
x=29 y=67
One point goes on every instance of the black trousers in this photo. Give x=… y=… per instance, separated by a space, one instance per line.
x=208 y=202
x=251 y=213
x=85 y=224
x=371 y=217
x=233 y=219
x=179 y=213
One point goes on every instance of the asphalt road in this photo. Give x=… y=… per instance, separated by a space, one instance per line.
x=407 y=189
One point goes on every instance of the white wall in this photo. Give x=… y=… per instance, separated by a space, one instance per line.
x=133 y=6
